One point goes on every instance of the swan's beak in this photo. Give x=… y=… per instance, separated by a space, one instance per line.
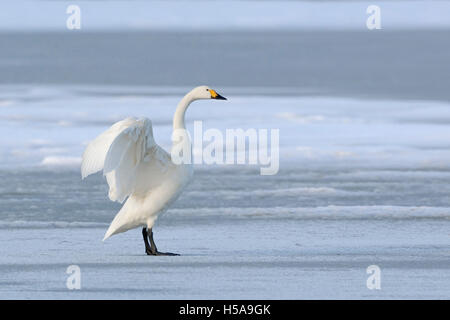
x=215 y=95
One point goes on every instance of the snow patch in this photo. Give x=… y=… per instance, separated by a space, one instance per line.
x=61 y=161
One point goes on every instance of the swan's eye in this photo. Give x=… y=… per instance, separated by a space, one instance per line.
x=207 y=89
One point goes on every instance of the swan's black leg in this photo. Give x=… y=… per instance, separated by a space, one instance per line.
x=151 y=249
x=148 y=249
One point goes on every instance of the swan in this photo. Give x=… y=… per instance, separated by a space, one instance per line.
x=139 y=171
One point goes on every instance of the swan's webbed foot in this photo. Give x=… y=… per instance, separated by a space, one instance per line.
x=150 y=248
x=157 y=253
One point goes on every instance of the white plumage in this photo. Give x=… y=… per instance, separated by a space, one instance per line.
x=135 y=167
x=139 y=170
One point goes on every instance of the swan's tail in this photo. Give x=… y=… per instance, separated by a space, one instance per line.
x=111 y=231
x=133 y=214
x=124 y=220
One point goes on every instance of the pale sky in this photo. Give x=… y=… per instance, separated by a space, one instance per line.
x=213 y=15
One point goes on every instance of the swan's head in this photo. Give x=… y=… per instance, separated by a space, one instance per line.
x=205 y=92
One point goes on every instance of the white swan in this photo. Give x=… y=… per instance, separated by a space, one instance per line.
x=137 y=168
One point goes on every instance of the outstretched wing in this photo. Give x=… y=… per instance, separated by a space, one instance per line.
x=95 y=153
x=131 y=153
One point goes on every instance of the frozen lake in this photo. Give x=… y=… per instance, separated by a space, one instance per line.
x=253 y=257
x=364 y=171
x=361 y=182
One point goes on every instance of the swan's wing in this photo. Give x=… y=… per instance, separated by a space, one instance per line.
x=132 y=155
x=95 y=153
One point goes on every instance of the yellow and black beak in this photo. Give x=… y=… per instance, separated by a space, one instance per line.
x=215 y=95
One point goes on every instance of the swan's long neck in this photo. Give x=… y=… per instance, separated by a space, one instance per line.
x=180 y=132
x=178 y=118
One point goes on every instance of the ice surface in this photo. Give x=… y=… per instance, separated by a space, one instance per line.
x=51 y=126
x=361 y=182
x=245 y=258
